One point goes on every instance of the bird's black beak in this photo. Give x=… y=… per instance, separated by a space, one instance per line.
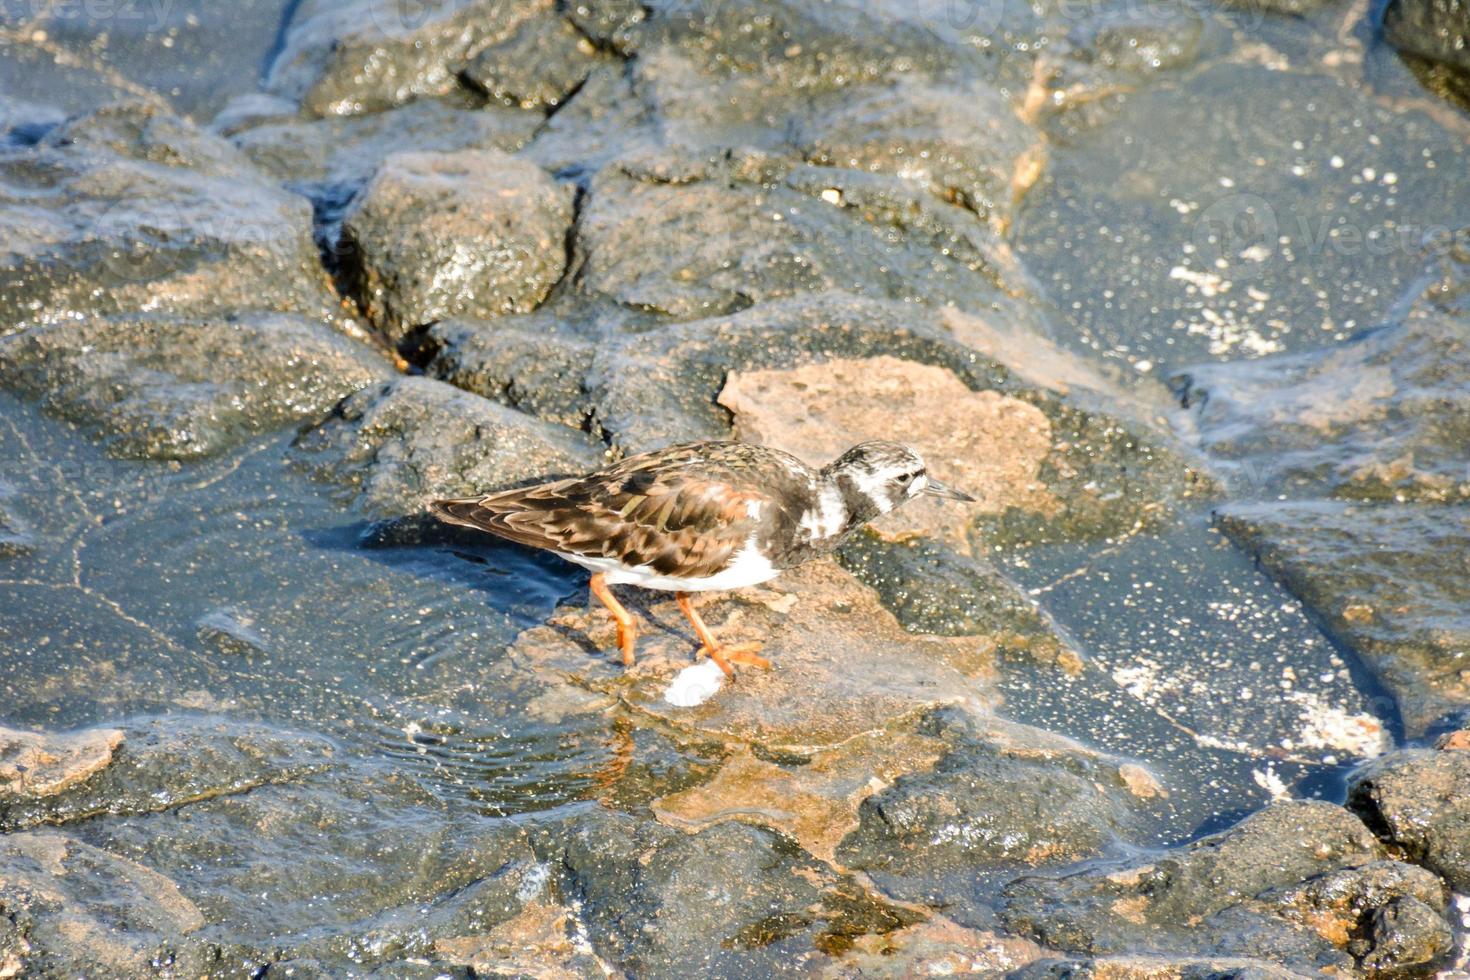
x=936 y=489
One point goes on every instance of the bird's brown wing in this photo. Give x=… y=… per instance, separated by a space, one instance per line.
x=660 y=515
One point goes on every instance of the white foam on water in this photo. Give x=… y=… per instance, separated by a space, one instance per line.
x=695 y=684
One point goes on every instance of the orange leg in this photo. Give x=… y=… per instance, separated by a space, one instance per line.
x=741 y=653
x=627 y=630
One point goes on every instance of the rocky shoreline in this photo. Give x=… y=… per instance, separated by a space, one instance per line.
x=1185 y=694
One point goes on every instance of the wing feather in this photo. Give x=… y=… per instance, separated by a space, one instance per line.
x=676 y=522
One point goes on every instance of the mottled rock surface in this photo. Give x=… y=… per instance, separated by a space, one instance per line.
x=147 y=766
x=71 y=909
x=1389 y=581
x=35 y=764
x=394 y=446
x=471 y=233
x=531 y=363
x=1385 y=417
x=132 y=209
x=369 y=55
x=1417 y=800
x=169 y=387
x=1296 y=883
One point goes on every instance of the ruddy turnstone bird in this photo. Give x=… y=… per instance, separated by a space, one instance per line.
x=698 y=517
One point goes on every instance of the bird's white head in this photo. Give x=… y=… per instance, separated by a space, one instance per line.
x=876 y=477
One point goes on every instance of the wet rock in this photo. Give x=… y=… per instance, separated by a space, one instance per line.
x=370 y=55
x=1416 y=799
x=70 y=909
x=15 y=535
x=132 y=209
x=472 y=233
x=934 y=947
x=541 y=941
x=392 y=447
x=1389 y=916
x=814 y=800
x=146 y=766
x=1140 y=42
x=610 y=23
x=796 y=48
x=602 y=122
x=675 y=236
x=730 y=899
x=34 y=765
x=170 y=387
x=1407 y=936
x=1381 y=418
x=327 y=156
x=965 y=144
x=194 y=58
x=934 y=589
x=989 y=804
x=1197 y=900
x=540 y=65
x=403 y=868
x=1155 y=968
x=230 y=632
x=1435 y=30
x=1389 y=582
x=814 y=697
x=530 y=363
x=45 y=84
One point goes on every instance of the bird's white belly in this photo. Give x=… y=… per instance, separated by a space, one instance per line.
x=749 y=567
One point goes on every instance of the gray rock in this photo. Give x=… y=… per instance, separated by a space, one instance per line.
x=1437 y=30
x=1140 y=42
x=1153 y=968
x=610 y=23
x=403 y=868
x=369 y=55
x=733 y=900
x=1384 y=417
x=1198 y=900
x=528 y=363
x=538 y=66
x=984 y=807
x=1390 y=582
x=678 y=237
x=392 y=447
x=133 y=209
x=965 y=143
x=1419 y=800
x=797 y=48
x=437 y=235
x=1390 y=916
x=70 y=909
x=326 y=155
x=165 y=763
x=169 y=387
x=934 y=589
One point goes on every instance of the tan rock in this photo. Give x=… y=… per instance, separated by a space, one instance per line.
x=842 y=666
x=35 y=764
x=937 y=947
x=988 y=444
x=1455 y=740
x=541 y=942
x=815 y=803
